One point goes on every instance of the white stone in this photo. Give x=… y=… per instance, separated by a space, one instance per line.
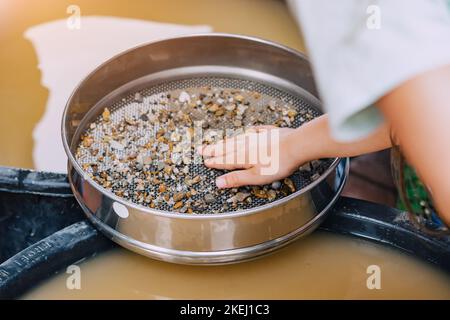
x=184 y=97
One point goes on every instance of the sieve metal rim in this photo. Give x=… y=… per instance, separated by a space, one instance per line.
x=72 y=161
x=220 y=257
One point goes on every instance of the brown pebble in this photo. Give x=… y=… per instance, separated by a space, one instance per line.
x=259 y=193
x=213 y=108
x=106 y=115
x=292 y=113
x=288 y=182
x=168 y=169
x=88 y=141
x=119 y=193
x=271 y=195
x=178 y=196
x=241 y=196
x=239 y=98
x=178 y=205
x=196 y=179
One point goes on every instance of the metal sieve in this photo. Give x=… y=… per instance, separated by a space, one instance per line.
x=186 y=63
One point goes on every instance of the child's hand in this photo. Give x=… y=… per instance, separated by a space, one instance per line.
x=267 y=153
x=262 y=153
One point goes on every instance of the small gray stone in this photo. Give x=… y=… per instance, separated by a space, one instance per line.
x=315 y=164
x=161 y=165
x=241 y=196
x=276 y=185
x=209 y=198
x=116 y=145
x=305 y=167
x=138 y=97
x=139 y=165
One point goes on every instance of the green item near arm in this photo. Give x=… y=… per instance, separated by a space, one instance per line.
x=416 y=192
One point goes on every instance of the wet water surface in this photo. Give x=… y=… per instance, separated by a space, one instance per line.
x=321 y=266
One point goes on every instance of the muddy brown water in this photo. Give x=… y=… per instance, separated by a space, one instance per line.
x=321 y=266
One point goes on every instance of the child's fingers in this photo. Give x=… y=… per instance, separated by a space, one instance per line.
x=228 y=145
x=229 y=161
x=211 y=150
x=218 y=149
x=240 y=178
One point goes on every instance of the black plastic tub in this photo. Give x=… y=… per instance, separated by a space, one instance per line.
x=43 y=230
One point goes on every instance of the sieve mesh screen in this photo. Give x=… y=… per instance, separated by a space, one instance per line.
x=158 y=97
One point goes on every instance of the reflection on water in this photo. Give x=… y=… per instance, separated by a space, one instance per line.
x=320 y=266
x=23 y=98
x=66 y=56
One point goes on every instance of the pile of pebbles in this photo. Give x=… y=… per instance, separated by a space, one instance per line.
x=144 y=151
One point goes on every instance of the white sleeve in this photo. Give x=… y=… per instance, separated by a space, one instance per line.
x=361 y=49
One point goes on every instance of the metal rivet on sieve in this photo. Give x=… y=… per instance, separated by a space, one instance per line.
x=120 y=210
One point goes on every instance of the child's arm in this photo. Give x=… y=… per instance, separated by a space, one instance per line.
x=419 y=113
x=294 y=147
x=314 y=141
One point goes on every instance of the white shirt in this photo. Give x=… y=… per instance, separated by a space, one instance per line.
x=360 y=50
